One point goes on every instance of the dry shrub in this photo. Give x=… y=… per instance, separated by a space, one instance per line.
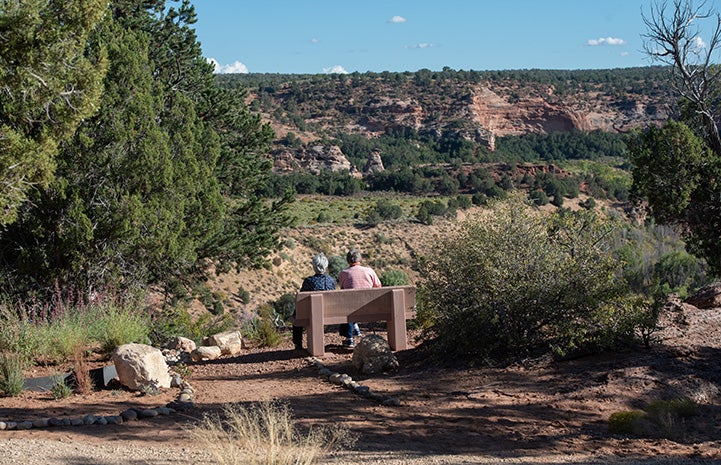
x=264 y=433
x=81 y=371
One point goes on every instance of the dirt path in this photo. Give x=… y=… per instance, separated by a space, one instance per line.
x=537 y=411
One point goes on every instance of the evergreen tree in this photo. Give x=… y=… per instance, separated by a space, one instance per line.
x=161 y=182
x=51 y=73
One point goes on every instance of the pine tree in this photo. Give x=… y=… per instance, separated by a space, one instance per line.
x=161 y=182
x=51 y=72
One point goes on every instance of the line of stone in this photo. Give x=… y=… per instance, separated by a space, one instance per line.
x=345 y=380
x=182 y=403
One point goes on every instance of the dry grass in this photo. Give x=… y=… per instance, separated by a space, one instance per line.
x=264 y=433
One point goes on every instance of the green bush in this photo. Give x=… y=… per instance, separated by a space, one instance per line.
x=60 y=390
x=519 y=279
x=262 y=330
x=394 y=278
x=626 y=422
x=170 y=322
x=12 y=373
x=114 y=326
x=336 y=264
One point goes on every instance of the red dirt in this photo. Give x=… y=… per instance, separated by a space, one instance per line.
x=533 y=408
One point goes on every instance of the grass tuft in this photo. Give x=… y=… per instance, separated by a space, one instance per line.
x=265 y=433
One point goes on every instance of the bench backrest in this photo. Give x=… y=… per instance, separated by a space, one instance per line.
x=357 y=305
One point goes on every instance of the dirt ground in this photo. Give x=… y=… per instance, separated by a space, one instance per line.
x=537 y=411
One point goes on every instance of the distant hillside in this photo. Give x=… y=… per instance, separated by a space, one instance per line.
x=343 y=122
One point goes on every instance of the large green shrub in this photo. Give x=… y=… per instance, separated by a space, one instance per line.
x=517 y=279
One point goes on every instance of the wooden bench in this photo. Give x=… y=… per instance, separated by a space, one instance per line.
x=393 y=304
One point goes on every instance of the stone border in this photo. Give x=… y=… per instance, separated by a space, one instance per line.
x=344 y=380
x=183 y=402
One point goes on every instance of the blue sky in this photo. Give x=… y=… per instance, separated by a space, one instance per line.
x=323 y=36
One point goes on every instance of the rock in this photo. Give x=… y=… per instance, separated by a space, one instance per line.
x=707 y=297
x=141 y=365
x=374 y=163
x=182 y=344
x=114 y=419
x=373 y=355
x=206 y=353
x=129 y=415
x=55 y=422
x=149 y=413
x=3 y=426
x=24 y=425
x=391 y=402
x=230 y=342
x=89 y=419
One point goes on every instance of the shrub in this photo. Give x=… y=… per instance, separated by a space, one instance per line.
x=113 y=326
x=12 y=373
x=538 y=197
x=519 y=279
x=175 y=321
x=336 y=264
x=394 y=278
x=285 y=306
x=265 y=433
x=626 y=422
x=60 y=390
x=262 y=329
x=384 y=210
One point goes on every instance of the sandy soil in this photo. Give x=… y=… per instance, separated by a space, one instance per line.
x=535 y=411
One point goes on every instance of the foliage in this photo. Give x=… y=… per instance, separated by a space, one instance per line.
x=285 y=306
x=160 y=182
x=626 y=422
x=171 y=321
x=12 y=372
x=679 y=176
x=52 y=69
x=384 y=210
x=262 y=329
x=678 y=167
x=660 y=418
x=655 y=262
x=265 y=433
x=60 y=390
x=393 y=278
x=518 y=280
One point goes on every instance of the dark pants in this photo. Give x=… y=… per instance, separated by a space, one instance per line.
x=298 y=336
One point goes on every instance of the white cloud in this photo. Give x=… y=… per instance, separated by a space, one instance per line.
x=606 y=41
x=422 y=45
x=397 y=19
x=337 y=69
x=236 y=67
x=697 y=44
x=314 y=40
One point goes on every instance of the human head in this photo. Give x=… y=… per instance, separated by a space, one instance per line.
x=353 y=256
x=320 y=263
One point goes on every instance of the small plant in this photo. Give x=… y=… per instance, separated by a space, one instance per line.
x=12 y=373
x=265 y=433
x=150 y=389
x=60 y=390
x=183 y=370
x=626 y=422
x=83 y=381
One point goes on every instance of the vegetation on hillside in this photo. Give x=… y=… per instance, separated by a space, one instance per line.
x=678 y=168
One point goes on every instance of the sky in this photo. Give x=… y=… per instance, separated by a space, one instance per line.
x=344 y=36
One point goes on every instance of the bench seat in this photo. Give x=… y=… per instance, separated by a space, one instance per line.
x=393 y=304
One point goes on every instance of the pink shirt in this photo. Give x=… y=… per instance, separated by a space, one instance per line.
x=358 y=277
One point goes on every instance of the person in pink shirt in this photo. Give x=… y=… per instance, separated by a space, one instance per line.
x=356 y=276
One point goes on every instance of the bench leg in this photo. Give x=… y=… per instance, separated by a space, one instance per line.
x=316 y=344
x=397 y=324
